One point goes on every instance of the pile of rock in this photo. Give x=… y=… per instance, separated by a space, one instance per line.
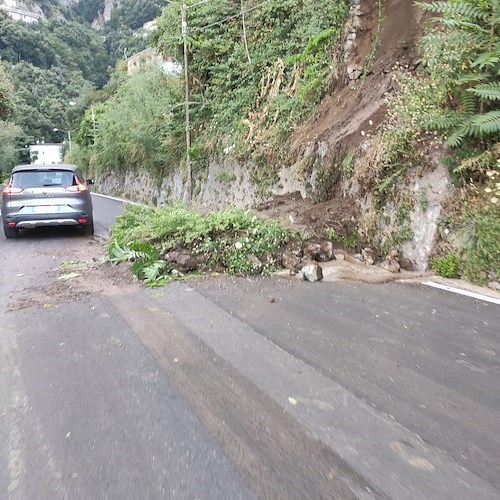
x=392 y=262
x=305 y=260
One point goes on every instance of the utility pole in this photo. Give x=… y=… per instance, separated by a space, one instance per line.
x=245 y=33
x=189 y=182
x=93 y=119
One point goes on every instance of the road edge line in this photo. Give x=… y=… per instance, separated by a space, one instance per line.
x=122 y=200
x=460 y=291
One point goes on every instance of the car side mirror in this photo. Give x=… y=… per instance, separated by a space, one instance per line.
x=90 y=182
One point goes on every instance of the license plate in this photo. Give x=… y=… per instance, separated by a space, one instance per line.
x=45 y=209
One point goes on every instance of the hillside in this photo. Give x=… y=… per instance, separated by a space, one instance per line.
x=58 y=52
x=372 y=124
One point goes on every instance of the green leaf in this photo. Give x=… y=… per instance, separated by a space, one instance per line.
x=488 y=91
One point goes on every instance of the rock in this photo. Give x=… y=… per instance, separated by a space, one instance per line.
x=369 y=256
x=311 y=250
x=312 y=272
x=184 y=261
x=354 y=72
x=291 y=261
x=407 y=264
x=318 y=250
x=358 y=256
x=393 y=254
x=339 y=256
x=391 y=265
x=495 y=285
x=267 y=258
x=326 y=251
x=255 y=262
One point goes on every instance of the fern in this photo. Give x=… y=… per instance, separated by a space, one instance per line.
x=471 y=78
x=132 y=252
x=487 y=59
x=483 y=125
x=468 y=103
x=454 y=10
x=153 y=271
x=444 y=121
x=457 y=137
x=488 y=91
x=464 y=54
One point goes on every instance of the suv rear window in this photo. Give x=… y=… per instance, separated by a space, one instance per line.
x=42 y=178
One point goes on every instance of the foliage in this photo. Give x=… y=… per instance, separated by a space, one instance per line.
x=147 y=265
x=459 y=93
x=55 y=43
x=134 y=13
x=446 y=266
x=349 y=242
x=78 y=155
x=6 y=95
x=42 y=97
x=133 y=124
x=481 y=255
x=347 y=167
x=61 y=59
x=121 y=42
x=9 y=154
x=89 y=9
x=226 y=239
x=253 y=105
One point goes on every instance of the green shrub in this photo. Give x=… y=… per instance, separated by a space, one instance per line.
x=227 y=239
x=446 y=266
x=482 y=248
x=349 y=242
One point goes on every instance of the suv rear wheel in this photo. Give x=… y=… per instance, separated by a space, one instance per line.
x=88 y=229
x=10 y=232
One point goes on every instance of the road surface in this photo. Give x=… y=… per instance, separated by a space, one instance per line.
x=238 y=388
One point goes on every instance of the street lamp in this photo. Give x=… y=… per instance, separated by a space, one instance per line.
x=69 y=135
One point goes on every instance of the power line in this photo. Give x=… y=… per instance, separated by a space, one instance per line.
x=230 y=18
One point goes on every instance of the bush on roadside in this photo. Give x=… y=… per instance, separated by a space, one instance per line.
x=233 y=241
x=447 y=266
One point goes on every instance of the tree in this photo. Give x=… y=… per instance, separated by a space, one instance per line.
x=43 y=96
x=9 y=149
x=6 y=95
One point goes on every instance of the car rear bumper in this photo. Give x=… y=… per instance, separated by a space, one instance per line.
x=43 y=220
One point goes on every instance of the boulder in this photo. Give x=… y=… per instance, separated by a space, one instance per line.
x=255 y=262
x=184 y=261
x=407 y=264
x=391 y=265
x=311 y=250
x=326 y=251
x=369 y=256
x=291 y=261
x=312 y=272
x=320 y=250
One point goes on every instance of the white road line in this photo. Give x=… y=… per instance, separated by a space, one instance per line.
x=459 y=291
x=118 y=199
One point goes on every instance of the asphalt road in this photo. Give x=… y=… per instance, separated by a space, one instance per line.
x=238 y=388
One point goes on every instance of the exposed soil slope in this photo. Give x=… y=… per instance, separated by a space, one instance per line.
x=355 y=108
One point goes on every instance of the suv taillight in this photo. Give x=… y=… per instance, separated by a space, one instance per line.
x=78 y=187
x=11 y=190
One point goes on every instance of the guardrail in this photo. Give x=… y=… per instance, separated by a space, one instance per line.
x=19 y=12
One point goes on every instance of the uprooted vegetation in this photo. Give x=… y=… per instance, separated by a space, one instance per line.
x=172 y=241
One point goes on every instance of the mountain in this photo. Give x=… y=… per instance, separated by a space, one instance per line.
x=57 y=51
